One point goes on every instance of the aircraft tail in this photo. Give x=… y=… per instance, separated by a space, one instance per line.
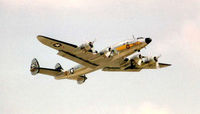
x=35 y=69
x=58 y=67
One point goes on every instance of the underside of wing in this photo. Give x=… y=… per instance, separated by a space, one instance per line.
x=71 y=51
x=135 y=64
x=133 y=68
x=121 y=70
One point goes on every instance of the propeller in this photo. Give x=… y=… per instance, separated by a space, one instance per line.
x=110 y=52
x=133 y=37
x=131 y=63
x=139 y=62
x=156 y=60
x=140 y=59
x=140 y=56
x=91 y=43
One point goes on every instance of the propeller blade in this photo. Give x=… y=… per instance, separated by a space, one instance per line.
x=94 y=40
x=133 y=37
x=157 y=65
x=156 y=60
x=139 y=62
x=159 y=56
x=91 y=44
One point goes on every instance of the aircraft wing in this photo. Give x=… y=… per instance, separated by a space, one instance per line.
x=71 y=51
x=132 y=65
x=135 y=69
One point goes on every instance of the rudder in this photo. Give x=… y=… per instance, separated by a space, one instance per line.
x=35 y=67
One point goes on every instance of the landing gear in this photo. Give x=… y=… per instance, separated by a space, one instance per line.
x=81 y=79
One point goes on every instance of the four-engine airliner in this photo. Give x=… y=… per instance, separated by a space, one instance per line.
x=113 y=58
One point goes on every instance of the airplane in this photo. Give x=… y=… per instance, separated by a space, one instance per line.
x=113 y=58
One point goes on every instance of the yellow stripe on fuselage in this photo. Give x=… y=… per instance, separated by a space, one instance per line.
x=120 y=48
x=127 y=46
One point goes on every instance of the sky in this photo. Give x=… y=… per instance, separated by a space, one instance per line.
x=173 y=25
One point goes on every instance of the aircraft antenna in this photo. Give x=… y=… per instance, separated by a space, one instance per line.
x=133 y=36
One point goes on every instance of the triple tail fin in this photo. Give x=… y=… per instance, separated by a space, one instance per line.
x=35 y=69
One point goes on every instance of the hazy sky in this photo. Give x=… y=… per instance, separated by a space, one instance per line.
x=174 y=26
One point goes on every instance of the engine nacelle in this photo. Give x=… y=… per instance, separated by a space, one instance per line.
x=87 y=46
x=81 y=79
x=137 y=59
x=153 y=59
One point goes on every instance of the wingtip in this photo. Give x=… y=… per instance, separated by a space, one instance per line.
x=165 y=65
x=169 y=64
x=39 y=37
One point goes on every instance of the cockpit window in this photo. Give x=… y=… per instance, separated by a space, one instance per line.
x=140 y=38
x=124 y=42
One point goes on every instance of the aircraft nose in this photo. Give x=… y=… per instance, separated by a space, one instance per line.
x=148 y=40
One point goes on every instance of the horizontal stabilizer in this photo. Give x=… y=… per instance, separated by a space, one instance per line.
x=35 y=68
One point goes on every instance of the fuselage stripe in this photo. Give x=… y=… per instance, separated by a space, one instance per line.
x=127 y=46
